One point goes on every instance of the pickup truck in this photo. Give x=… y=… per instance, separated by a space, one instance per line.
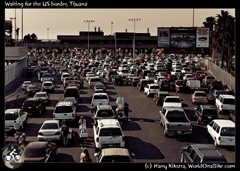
x=172 y=101
x=175 y=122
x=15 y=120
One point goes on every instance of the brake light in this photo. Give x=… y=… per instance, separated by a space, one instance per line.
x=57 y=133
x=200 y=115
x=221 y=106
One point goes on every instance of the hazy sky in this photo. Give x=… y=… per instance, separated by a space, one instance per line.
x=71 y=21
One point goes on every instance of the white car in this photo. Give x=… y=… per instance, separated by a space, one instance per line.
x=222 y=132
x=49 y=131
x=189 y=77
x=42 y=95
x=199 y=97
x=25 y=84
x=71 y=99
x=151 y=89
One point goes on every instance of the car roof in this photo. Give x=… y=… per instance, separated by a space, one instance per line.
x=109 y=122
x=65 y=103
x=227 y=96
x=207 y=150
x=115 y=151
x=51 y=121
x=41 y=92
x=11 y=110
x=225 y=122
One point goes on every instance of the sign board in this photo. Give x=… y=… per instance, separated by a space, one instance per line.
x=202 y=38
x=163 y=37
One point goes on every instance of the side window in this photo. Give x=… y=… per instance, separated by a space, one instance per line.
x=192 y=154
x=197 y=159
x=217 y=128
x=211 y=124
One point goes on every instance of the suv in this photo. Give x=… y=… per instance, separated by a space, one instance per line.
x=151 y=89
x=104 y=112
x=114 y=155
x=99 y=98
x=108 y=133
x=34 y=106
x=222 y=131
x=225 y=103
x=65 y=110
x=205 y=113
x=201 y=153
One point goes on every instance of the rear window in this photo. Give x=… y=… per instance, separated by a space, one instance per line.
x=110 y=132
x=10 y=116
x=209 y=112
x=50 y=126
x=105 y=113
x=227 y=131
x=172 y=100
x=30 y=103
x=200 y=94
x=47 y=84
x=95 y=80
x=229 y=101
x=71 y=93
x=63 y=109
x=100 y=97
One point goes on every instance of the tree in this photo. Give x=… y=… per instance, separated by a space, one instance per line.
x=225 y=36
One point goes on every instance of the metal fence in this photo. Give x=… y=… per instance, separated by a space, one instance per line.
x=219 y=73
x=14 y=70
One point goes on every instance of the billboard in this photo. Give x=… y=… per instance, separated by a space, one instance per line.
x=202 y=38
x=163 y=37
x=182 y=38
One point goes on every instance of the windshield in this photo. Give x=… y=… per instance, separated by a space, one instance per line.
x=50 y=126
x=227 y=132
x=10 y=116
x=34 y=153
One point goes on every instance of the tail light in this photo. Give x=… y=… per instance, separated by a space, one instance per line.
x=200 y=115
x=39 y=133
x=221 y=106
x=57 y=133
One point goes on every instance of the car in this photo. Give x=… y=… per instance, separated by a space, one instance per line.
x=50 y=130
x=108 y=133
x=99 y=98
x=25 y=84
x=99 y=86
x=151 y=89
x=114 y=155
x=47 y=77
x=205 y=113
x=199 y=97
x=142 y=83
x=172 y=101
x=164 y=85
x=15 y=119
x=104 y=112
x=179 y=85
x=65 y=110
x=48 y=86
x=189 y=77
x=34 y=106
x=159 y=97
x=222 y=131
x=40 y=151
x=42 y=95
x=31 y=90
x=201 y=153
x=134 y=81
x=225 y=103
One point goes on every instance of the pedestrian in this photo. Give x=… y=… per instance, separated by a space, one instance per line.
x=84 y=156
x=126 y=109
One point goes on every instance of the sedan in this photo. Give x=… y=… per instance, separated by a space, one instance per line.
x=99 y=86
x=25 y=84
x=199 y=97
x=49 y=131
x=42 y=95
x=40 y=152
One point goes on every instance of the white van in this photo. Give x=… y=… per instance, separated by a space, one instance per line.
x=108 y=133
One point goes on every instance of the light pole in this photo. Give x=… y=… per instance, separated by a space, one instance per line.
x=111 y=27
x=47 y=34
x=88 y=22
x=134 y=20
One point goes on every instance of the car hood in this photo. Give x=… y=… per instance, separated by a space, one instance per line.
x=37 y=159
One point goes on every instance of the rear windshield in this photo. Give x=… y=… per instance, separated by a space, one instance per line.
x=47 y=84
x=63 y=109
x=100 y=97
x=209 y=112
x=105 y=113
x=50 y=126
x=110 y=132
x=172 y=100
x=154 y=87
x=10 y=116
x=71 y=93
x=227 y=131
x=229 y=101
x=95 y=80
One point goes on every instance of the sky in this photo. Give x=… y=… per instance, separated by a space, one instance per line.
x=48 y=23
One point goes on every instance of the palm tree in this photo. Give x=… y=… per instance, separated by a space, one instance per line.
x=224 y=36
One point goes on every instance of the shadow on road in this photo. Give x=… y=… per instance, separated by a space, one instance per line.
x=83 y=108
x=141 y=150
x=34 y=129
x=64 y=158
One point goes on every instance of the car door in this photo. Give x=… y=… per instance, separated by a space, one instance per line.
x=210 y=129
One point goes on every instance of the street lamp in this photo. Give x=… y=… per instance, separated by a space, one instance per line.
x=134 y=20
x=15 y=29
x=47 y=34
x=88 y=22
x=111 y=27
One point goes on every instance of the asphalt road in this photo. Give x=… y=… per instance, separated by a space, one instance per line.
x=143 y=134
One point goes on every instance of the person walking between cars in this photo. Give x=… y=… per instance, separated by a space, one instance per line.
x=126 y=110
x=65 y=132
x=85 y=157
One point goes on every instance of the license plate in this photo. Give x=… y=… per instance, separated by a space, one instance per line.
x=49 y=139
x=29 y=107
x=179 y=132
x=230 y=139
x=209 y=117
x=110 y=145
